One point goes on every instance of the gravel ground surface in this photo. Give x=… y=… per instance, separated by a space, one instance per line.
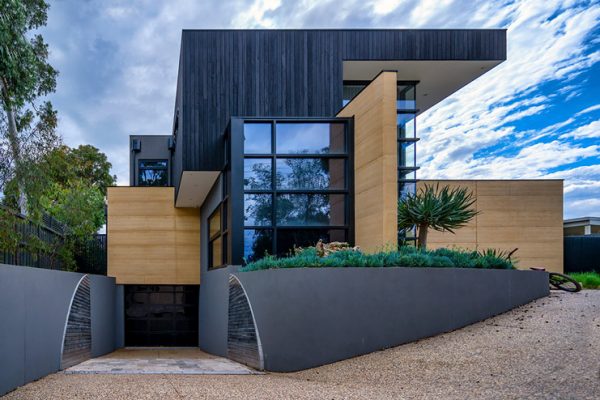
x=549 y=349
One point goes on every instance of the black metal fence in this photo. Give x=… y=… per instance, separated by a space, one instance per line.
x=582 y=253
x=50 y=232
x=90 y=257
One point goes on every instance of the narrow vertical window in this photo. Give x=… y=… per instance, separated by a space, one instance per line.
x=217 y=248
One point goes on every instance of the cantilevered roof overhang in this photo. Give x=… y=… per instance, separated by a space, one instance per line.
x=437 y=79
x=194 y=187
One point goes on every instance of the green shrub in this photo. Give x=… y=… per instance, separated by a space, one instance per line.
x=405 y=256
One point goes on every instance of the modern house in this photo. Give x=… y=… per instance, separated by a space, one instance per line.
x=281 y=138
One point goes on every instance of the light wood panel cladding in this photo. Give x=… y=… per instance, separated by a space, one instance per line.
x=375 y=162
x=149 y=240
x=524 y=214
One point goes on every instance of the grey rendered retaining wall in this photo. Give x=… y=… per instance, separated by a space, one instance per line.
x=310 y=317
x=34 y=304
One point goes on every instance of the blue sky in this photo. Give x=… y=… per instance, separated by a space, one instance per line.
x=537 y=115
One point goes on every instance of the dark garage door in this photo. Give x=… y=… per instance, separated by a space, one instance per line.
x=161 y=315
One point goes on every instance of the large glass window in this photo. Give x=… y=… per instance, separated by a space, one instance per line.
x=298 y=194
x=153 y=173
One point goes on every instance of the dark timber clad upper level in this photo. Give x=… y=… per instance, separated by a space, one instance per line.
x=293 y=73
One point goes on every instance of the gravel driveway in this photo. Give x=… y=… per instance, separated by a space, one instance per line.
x=547 y=349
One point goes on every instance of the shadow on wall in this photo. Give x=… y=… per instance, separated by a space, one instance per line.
x=34 y=307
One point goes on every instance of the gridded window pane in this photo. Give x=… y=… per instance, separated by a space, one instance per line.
x=257 y=173
x=287 y=239
x=257 y=243
x=350 y=91
x=310 y=173
x=310 y=137
x=258 y=209
x=406 y=126
x=216 y=253
x=257 y=138
x=406 y=97
x=214 y=223
x=404 y=174
x=310 y=209
x=406 y=188
x=406 y=154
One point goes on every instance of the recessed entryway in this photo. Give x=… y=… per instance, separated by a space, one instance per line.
x=180 y=360
x=161 y=315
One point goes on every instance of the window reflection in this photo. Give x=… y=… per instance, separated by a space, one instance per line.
x=257 y=243
x=258 y=209
x=406 y=126
x=310 y=209
x=257 y=138
x=406 y=154
x=153 y=173
x=310 y=173
x=257 y=173
x=312 y=138
x=406 y=97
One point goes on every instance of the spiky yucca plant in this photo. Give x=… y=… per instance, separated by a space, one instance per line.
x=442 y=209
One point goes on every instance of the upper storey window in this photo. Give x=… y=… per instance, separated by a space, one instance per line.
x=153 y=173
x=406 y=97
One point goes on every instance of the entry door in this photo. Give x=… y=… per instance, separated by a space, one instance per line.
x=161 y=315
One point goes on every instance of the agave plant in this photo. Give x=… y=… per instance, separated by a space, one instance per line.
x=442 y=209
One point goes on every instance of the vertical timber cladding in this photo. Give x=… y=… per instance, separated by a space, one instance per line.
x=294 y=73
x=77 y=341
x=243 y=342
x=149 y=240
x=523 y=214
x=375 y=162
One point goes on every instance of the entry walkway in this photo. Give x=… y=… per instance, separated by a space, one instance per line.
x=160 y=360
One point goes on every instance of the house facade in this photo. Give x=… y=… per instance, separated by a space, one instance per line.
x=280 y=138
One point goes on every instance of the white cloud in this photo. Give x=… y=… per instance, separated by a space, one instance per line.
x=589 y=131
x=119 y=60
x=588 y=110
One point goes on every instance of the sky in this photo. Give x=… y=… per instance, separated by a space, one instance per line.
x=537 y=115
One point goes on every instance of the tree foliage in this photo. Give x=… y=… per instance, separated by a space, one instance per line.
x=27 y=122
x=442 y=209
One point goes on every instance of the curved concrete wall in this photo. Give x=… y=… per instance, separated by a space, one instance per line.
x=34 y=304
x=310 y=317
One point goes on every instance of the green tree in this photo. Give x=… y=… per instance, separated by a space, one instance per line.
x=27 y=128
x=442 y=209
x=85 y=163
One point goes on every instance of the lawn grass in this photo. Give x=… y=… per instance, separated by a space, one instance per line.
x=589 y=280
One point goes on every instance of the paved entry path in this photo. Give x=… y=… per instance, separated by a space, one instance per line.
x=187 y=361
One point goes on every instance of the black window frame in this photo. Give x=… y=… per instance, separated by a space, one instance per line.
x=347 y=191
x=403 y=236
x=140 y=169
x=223 y=234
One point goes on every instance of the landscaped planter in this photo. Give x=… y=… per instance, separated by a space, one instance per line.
x=308 y=317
